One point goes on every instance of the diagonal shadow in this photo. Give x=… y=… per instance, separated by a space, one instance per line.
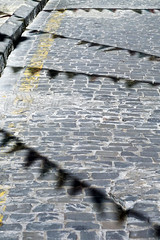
x=98 y=197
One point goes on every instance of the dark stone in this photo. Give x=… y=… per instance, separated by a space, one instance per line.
x=82 y=225
x=80 y=216
x=44 y=208
x=40 y=226
x=85 y=235
x=19 y=208
x=105 y=175
x=119 y=235
x=33 y=235
x=144 y=234
x=57 y=235
x=22 y=217
x=11 y=227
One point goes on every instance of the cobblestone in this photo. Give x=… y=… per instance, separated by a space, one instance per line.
x=61 y=235
x=39 y=226
x=33 y=235
x=22 y=217
x=120 y=235
x=89 y=236
x=9 y=236
x=82 y=225
x=100 y=131
x=20 y=208
x=11 y=227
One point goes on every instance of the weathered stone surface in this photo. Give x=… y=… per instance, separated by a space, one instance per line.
x=99 y=130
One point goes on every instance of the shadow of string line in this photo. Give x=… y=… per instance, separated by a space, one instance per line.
x=98 y=197
x=103 y=47
x=139 y=11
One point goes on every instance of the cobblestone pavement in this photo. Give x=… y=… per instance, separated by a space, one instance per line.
x=109 y=4
x=99 y=130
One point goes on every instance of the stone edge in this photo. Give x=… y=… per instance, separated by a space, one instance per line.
x=15 y=26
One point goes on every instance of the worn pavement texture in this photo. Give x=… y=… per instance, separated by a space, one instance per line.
x=100 y=130
x=8 y=7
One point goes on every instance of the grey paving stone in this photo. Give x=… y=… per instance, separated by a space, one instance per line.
x=44 y=208
x=44 y=217
x=39 y=226
x=105 y=175
x=76 y=207
x=80 y=216
x=82 y=225
x=23 y=177
x=121 y=235
x=19 y=208
x=33 y=235
x=11 y=227
x=139 y=159
x=111 y=216
x=49 y=192
x=21 y=217
x=19 y=192
x=89 y=235
x=57 y=235
x=10 y=235
x=143 y=234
